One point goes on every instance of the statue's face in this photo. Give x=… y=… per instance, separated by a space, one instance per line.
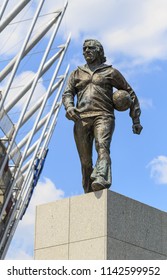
x=90 y=51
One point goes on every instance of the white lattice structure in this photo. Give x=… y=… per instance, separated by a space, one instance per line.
x=22 y=157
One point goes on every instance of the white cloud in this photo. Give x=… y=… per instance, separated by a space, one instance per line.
x=23 y=241
x=136 y=29
x=146 y=103
x=18 y=84
x=158 y=168
x=14 y=34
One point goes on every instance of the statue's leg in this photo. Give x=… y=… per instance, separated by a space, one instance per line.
x=83 y=135
x=103 y=130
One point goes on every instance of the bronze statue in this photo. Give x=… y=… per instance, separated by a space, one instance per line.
x=93 y=113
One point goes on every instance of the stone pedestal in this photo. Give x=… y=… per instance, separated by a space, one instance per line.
x=102 y=225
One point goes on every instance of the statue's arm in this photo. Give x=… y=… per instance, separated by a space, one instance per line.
x=120 y=82
x=69 y=92
x=68 y=98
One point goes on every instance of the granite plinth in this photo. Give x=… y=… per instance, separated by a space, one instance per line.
x=102 y=225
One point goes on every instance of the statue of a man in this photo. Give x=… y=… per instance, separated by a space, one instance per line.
x=93 y=114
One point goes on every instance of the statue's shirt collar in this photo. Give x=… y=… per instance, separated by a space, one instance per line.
x=86 y=68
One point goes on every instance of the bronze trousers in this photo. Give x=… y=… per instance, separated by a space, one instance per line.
x=100 y=129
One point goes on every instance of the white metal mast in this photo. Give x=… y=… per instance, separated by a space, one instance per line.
x=13 y=13
x=22 y=159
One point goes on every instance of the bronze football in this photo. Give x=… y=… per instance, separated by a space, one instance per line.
x=121 y=100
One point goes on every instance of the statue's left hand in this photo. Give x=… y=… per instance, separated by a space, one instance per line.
x=137 y=128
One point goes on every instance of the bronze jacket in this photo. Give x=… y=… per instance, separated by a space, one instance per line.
x=94 y=91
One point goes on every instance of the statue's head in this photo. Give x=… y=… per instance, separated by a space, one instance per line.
x=96 y=47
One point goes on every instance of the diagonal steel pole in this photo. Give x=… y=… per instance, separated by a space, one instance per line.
x=47 y=65
x=3 y=8
x=21 y=53
x=29 y=46
x=13 y=14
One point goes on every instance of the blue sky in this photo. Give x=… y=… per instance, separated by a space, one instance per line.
x=134 y=36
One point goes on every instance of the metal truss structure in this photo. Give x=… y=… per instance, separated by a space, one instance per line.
x=22 y=158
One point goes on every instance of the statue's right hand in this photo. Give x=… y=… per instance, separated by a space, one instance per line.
x=72 y=114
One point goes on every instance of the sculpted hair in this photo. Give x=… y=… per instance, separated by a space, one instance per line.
x=99 y=48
